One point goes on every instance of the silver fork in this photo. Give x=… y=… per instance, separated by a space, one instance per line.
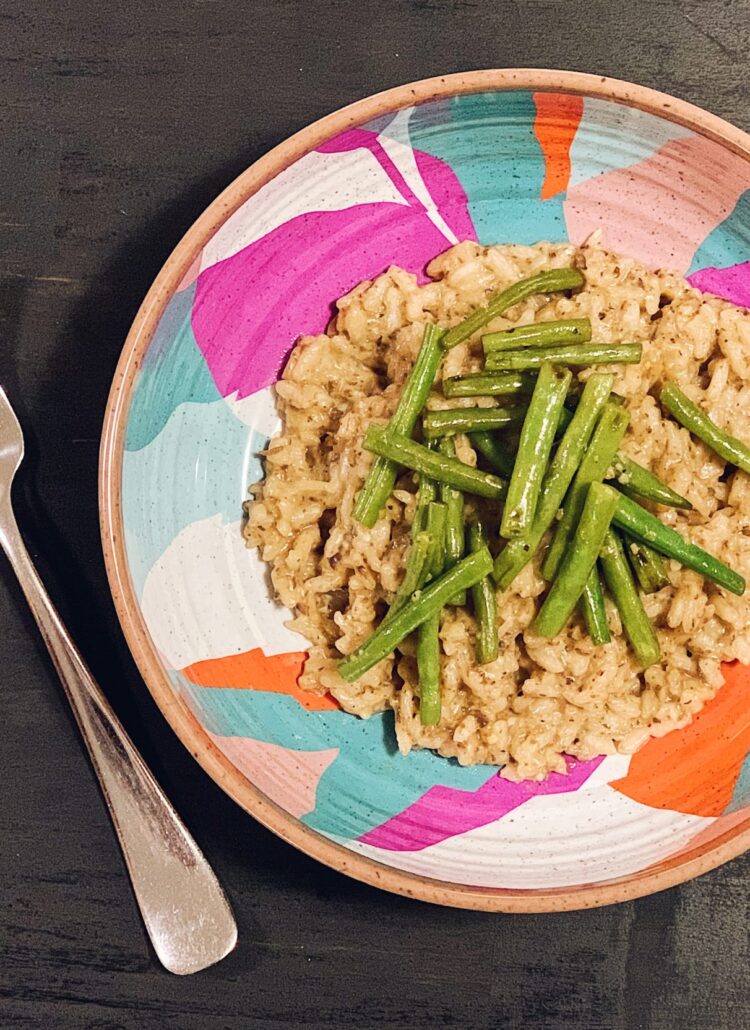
x=186 y=912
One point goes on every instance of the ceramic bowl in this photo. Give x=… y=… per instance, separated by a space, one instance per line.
x=495 y=156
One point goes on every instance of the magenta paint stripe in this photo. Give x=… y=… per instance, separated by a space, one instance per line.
x=251 y=308
x=445 y=812
x=732 y=283
x=439 y=178
x=447 y=193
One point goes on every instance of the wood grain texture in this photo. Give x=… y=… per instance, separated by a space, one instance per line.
x=118 y=123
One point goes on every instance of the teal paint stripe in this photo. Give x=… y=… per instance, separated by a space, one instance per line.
x=366 y=785
x=729 y=243
x=488 y=140
x=172 y=373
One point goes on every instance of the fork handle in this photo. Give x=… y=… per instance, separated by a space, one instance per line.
x=185 y=911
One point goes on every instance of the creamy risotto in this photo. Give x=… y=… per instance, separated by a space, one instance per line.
x=540 y=699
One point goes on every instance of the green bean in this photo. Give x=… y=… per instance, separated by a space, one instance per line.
x=648 y=566
x=488 y=445
x=594 y=610
x=381 y=643
x=451 y=421
x=454 y=517
x=578 y=561
x=635 y=622
x=576 y=355
x=428 y=634
x=636 y=481
x=445 y=470
x=552 y=281
x=596 y=461
x=488 y=384
x=566 y=417
x=426 y=492
x=697 y=422
x=539 y=334
x=566 y=460
x=633 y=479
x=428 y=666
x=574 y=398
x=537 y=436
x=645 y=527
x=415 y=573
x=436 y=514
x=485 y=607
x=382 y=476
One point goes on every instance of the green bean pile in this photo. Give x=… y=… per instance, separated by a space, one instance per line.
x=565 y=473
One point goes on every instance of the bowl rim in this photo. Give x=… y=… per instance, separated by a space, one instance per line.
x=675 y=869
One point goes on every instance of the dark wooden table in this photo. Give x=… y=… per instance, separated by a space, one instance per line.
x=119 y=122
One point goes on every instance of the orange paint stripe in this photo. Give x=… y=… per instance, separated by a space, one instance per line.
x=253 y=670
x=694 y=770
x=558 y=116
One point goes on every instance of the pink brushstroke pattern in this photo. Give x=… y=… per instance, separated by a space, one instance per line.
x=289 y=778
x=446 y=192
x=732 y=283
x=251 y=308
x=445 y=811
x=667 y=205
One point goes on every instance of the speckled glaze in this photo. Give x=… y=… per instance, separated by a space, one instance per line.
x=497 y=156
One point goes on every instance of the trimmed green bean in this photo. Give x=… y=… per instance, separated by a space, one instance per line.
x=578 y=561
x=596 y=461
x=552 y=281
x=415 y=573
x=699 y=424
x=575 y=355
x=428 y=666
x=518 y=553
x=648 y=566
x=539 y=334
x=380 y=644
x=485 y=605
x=636 y=481
x=451 y=421
x=566 y=417
x=537 y=436
x=428 y=634
x=490 y=447
x=594 y=609
x=643 y=526
x=445 y=470
x=453 y=500
x=574 y=398
x=436 y=517
x=633 y=479
x=635 y=622
x=382 y=476
x=488 y=384
x=426 y=492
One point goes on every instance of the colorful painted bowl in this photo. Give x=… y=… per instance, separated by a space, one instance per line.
x=496 y=156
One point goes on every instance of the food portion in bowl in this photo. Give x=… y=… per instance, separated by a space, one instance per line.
x=504 y=503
